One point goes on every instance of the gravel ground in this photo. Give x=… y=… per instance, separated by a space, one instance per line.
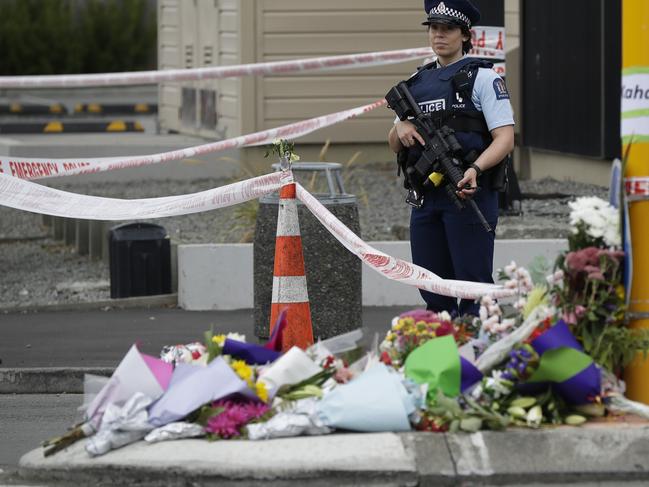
x=37 y=270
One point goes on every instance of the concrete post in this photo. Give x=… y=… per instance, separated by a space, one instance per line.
x=69 y=231
x=96 y=238
x=82 y=237
x=58 y=227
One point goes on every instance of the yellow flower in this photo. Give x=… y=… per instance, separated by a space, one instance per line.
x=242 y=369
x=261 y=391
x=398 y=325
x=219 y=340
x=619 y=290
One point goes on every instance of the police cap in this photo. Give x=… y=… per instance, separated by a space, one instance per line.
x=457 y=12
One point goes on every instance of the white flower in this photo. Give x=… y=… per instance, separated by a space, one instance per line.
x=534 y=417
x=600 y=219
x=236 y=336
x=483 y=313
x=520 y=304
x=506 y=324
x=494 y=309
x=444 y=316
x=486 y=300
x=511 y=284
x=510 y=268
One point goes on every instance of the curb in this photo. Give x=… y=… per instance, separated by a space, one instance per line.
x=121 y=303
x=596 y=453
x=53 y=380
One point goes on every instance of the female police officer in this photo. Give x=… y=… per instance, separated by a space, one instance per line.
x=447 y=241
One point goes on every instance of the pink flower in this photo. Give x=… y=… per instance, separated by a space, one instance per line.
x=344 y=375
x=420 y=315
x=570 y=318
x=579 y=311
x=234 y=416
x=596 y=276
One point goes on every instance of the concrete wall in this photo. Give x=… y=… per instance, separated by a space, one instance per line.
x=219 y=276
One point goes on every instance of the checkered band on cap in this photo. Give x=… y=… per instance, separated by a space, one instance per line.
x=442 y=9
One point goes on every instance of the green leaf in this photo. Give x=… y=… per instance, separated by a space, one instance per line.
x=471 y=424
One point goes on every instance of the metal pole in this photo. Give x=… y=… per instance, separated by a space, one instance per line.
x=635 y=130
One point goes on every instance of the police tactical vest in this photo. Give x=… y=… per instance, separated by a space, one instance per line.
x=436 y=93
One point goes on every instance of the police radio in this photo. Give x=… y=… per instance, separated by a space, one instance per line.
x=440 y=161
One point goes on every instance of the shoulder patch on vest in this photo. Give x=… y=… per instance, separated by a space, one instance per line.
x=501 y=89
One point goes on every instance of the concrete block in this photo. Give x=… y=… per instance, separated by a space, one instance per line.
x=82 y=237
x=215 y=276
x=198 y=272
x=524 y=252
x=333 y=274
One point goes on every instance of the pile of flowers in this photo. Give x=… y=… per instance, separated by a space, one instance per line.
x=549 y=356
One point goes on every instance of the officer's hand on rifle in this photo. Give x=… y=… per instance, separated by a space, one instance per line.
x=469 y=183
x=407 y=134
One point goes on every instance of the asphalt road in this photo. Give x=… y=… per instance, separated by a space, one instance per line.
x=27 y=419
x=101 y=338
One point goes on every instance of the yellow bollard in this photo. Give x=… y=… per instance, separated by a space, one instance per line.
x=635 y=126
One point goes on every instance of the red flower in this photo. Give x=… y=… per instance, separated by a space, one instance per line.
x=385 y=358
x=444 y=329
x=329 y=361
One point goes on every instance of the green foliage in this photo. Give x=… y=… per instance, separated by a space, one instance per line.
x=283 y=149
x=592 y=300
x=72 y=36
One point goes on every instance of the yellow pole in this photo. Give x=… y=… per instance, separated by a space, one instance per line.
x=635 y=125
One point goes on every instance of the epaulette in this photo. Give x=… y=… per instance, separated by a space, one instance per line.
x=477 y=64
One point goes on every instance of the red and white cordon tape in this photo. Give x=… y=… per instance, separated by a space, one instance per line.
x=488 y=45
x=25 y=168
x=28 y=196
x=326 y=63
x=637 y=188
x=25 y=195
x=397 y=269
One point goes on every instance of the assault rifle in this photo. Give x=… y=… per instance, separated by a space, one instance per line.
x=441 y=155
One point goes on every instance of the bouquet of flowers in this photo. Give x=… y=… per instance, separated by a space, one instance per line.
x=414 y=328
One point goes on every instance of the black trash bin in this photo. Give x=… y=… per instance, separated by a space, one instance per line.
x=140 y=260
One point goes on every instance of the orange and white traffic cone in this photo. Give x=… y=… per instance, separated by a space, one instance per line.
x=289 y=278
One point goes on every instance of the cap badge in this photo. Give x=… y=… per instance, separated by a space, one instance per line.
x=441 y=8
